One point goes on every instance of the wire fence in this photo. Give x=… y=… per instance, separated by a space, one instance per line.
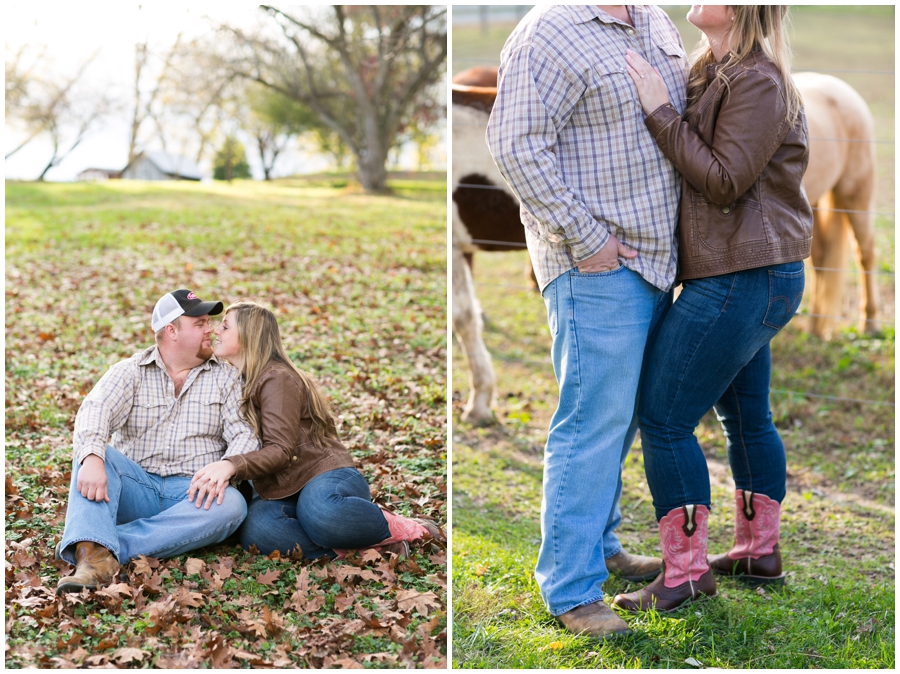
x=780 y=392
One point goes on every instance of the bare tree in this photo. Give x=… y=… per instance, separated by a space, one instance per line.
x=273 y=120
x=35 y=98
x=43 y=102
x=203 y=93
x=144 y=101
x=359 y=68
x=20 y=76
x=69 y=118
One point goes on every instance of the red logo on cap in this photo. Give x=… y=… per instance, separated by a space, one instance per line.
x=191 y=296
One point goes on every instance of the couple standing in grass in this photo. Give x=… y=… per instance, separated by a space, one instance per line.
x=635 y=172
x=189 y=422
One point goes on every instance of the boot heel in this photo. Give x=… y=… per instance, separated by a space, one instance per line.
x=762 y=581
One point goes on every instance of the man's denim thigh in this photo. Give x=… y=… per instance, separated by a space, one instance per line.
x=599 y=323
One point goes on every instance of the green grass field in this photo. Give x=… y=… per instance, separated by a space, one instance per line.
x=359 y=285
x=837 y=610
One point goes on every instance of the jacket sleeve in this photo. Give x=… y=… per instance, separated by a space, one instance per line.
x=280 y=408
x=535 y=97
x=750 y=126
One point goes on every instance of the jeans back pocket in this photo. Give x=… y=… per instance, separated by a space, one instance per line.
x=785 y=292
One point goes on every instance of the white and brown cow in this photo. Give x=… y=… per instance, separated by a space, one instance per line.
x=474 y=207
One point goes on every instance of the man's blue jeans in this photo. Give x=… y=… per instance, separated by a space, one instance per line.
x=146 y=514
x=333 y=511
x=599 y=323
x=712 y=350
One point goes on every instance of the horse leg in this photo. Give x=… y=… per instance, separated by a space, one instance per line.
x=829 y=259
x=530 y=277
x=467 y=324
x=863 y=226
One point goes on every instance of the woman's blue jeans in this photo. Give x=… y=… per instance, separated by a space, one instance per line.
x=712 y=350
x=334 y=510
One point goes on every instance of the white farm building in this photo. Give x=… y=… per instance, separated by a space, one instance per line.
x=156 y=165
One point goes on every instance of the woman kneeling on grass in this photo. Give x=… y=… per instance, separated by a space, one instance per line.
x=745 y=229
x=306 y=490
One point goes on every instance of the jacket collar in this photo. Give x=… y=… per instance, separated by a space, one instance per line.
x=752 y=59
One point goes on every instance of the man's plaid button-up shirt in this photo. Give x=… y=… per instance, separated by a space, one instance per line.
x=567 y=133
x=135 y=403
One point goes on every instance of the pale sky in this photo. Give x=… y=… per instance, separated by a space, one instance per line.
x=73 y=31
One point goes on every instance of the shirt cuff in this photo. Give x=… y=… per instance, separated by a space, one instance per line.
x=581 y=251
x=85 y=452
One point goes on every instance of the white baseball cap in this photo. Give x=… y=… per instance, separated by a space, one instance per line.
x=181 y=303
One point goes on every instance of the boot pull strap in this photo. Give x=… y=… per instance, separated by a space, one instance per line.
x=690 y=521
x=749 y=512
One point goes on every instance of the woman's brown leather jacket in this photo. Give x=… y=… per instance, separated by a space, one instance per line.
x=287 y=459
x=743 y=204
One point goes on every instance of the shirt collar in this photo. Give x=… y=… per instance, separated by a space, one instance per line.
x=584 y=13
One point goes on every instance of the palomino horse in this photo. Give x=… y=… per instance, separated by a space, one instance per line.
x=839 y=183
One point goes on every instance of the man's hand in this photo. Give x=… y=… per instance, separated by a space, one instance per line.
x=608 y=257
x=210 y=482
x=91 y=481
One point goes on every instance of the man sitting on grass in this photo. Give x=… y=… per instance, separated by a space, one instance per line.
x=170 y=409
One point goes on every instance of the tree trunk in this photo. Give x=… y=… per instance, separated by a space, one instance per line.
x=371 y=163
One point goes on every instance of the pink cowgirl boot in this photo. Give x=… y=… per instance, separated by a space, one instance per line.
x=755 y=557
x=404 y=529
x=686 y=576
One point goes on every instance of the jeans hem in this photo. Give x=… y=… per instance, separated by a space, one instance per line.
x=618 y=550
x=572 y=607
x=62 y=549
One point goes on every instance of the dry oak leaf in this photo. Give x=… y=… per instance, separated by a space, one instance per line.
x=370 y=555
x=268 y=577
x=343 y=663
x=116 y=591
x=185 y=598
x=194 y=566
x=222 y=569
x=143 y=566
x=408 y=600
x=126 y=655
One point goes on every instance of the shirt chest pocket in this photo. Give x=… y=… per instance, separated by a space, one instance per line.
x=671 y=64
x=149 y=408
x=203 y=414
x=611 y=96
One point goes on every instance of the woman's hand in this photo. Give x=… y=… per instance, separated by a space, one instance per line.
x=651 y=88
x=210 y=482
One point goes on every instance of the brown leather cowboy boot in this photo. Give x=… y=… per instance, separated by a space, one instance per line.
x=755 y=557
x=686 y=576
x=94 y=566
x=594 y=620
x=634 y=567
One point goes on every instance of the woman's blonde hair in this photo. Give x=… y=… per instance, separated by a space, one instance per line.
x=260 y=342
x=754 y=27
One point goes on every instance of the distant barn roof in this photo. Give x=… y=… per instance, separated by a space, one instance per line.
x=172 y=164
